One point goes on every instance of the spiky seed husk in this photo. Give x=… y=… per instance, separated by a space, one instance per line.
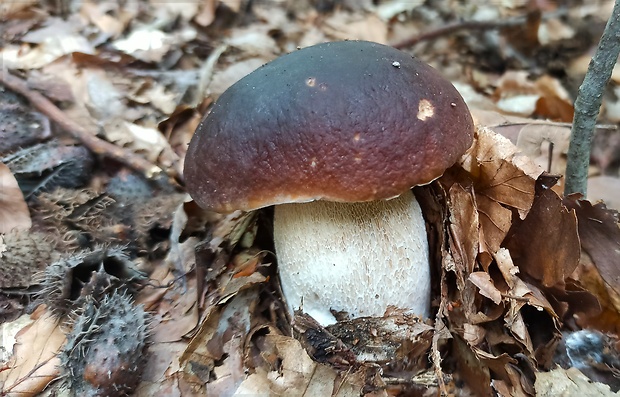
x=88 y=274
x=104 y=354
x=25 y=254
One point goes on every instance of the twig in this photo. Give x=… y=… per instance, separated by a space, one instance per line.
x=206 y=73
x=588 y=105
x=458 y=26
x=88 y=139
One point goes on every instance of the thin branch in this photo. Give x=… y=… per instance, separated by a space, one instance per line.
x=85 y=137
x=458 y=26
x=588 y=105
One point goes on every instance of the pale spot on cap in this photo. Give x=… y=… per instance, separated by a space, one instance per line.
x=425 y=110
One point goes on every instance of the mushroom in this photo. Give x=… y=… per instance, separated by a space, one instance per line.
x=335 y=136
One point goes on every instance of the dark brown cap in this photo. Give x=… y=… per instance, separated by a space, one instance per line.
x=345 y=121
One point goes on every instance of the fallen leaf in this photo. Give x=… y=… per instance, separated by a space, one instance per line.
x=605 y=188
x=532 y=139
x=219 y=346
x=57 y=39
x=570 y=382
x=547 y=257
x=464 y=228
x=254 y=41
x=554 y=103
x=34 y=363
x=345 y=26
x=9 y=331
x=495 y=221
x=299 y=375
x=148 y=45
x=8 y=8
x=600 y=238
x=500 y=172
x=222 y=79
x=14 y=212
x=485 y=285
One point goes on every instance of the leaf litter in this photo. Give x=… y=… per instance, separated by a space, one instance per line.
x=512 y=281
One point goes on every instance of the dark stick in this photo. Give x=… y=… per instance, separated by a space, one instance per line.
x=456 y=27
x=588 y=104
x=85 y=137
x=550 y=159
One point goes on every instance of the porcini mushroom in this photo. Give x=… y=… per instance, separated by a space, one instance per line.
x=335 y=136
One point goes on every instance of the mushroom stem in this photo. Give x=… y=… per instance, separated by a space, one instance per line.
x=357 y=258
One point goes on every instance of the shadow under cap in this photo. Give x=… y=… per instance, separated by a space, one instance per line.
x=345 y=121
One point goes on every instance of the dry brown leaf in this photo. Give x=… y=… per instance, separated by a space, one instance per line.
x=34 y=363
x=222 y=79
x=178 y=307
x=149 y=44
x=533 y=140
x=546 y=245
x=515 y=94
x=9 y=331
x=220 y=344
x=506 y=267
x=554 y=29
x=485 y=285
x=545 y=97
x=569 y=382
x=14 y=212
x=600 y=238
x=8 y=7
x=605 y=188
x=53 y=41
x=161 y=370
x=495 y=221
x=471 y=370
x=389 y=9
x=345 y=26
x=206 y=13
x=500 y=172
x=473 y=334
x=607 y=319
x=254 y=41
x=505 y=369
x=155 y=94
x=554 y=102
x=178 y=311
x=464 y=228
x=298 y=375
x=109 y=17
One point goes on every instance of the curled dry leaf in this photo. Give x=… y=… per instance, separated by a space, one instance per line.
x=296 y=374
x=58 y=38
x=8 y=8
x=605 y=188
x=219 y=346
x=34 y=363
x=485 y=285
x=600 y=238
x=598 y=270
x=545 y=97
x=569 y=382
x=346 y=26
x=14 y=213
x=500 y=172
x=505 y=226
x=547 y=256
x=397 y=341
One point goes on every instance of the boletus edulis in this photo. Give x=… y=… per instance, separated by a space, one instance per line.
x=335 y=136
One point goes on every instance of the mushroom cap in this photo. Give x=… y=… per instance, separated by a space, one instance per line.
x=348 y=121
